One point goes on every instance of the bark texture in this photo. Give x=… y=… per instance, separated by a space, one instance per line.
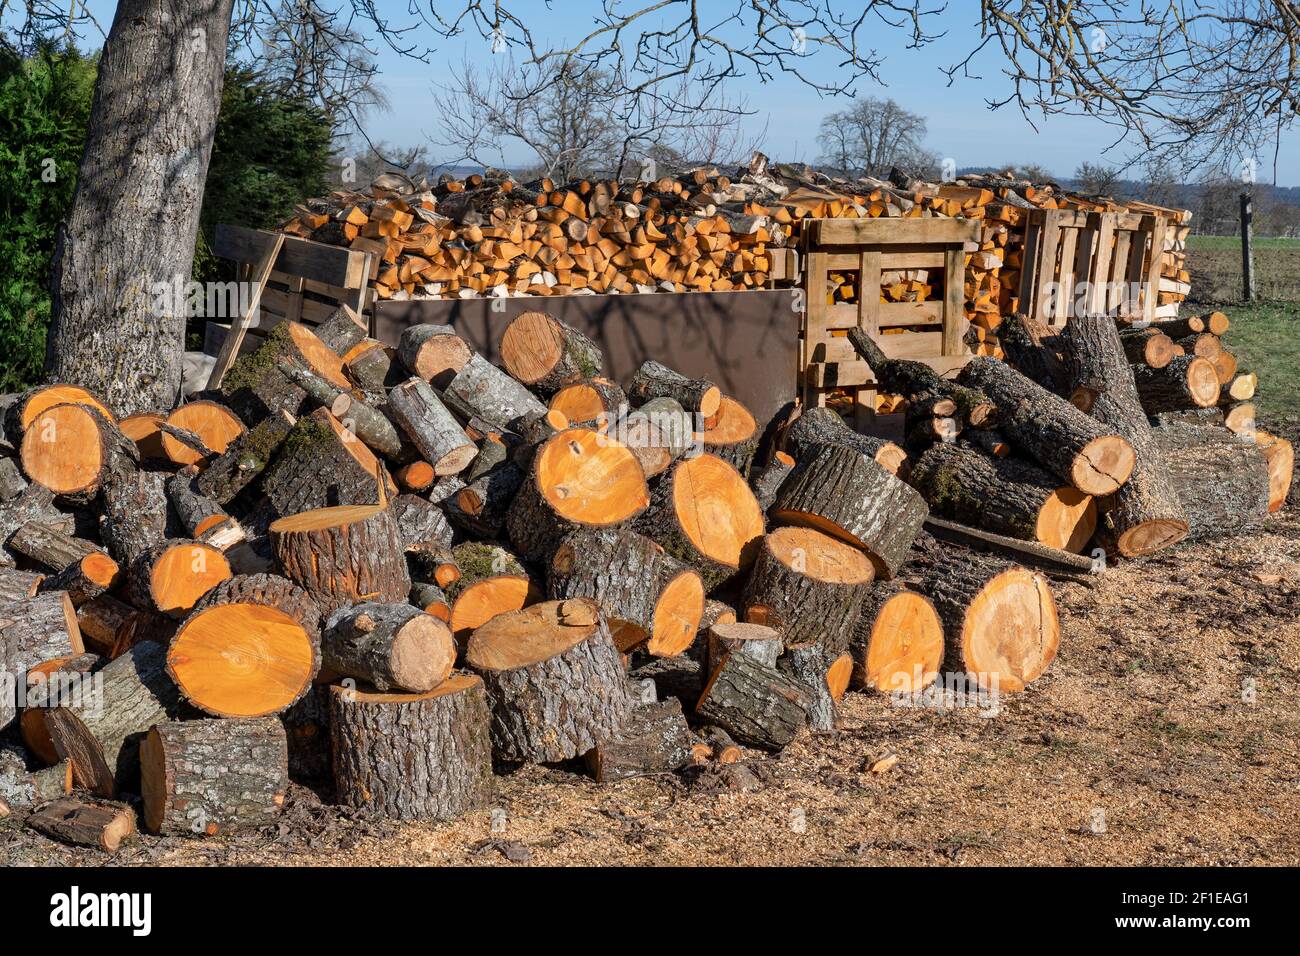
x=756 y=704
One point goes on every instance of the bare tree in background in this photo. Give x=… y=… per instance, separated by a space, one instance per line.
x=873 y=136
x=1095 y=179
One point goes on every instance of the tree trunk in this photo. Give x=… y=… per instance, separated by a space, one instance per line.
x=655 y=739
x=135 y=215
x=758 y=705
x=897 y=644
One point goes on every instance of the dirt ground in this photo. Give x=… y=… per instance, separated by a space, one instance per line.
x=1166 y=733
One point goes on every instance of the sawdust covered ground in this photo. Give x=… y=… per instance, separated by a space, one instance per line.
x=1165 y=734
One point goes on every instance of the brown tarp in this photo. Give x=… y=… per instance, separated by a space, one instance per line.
x=745 y=342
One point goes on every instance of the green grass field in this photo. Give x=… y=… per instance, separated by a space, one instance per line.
x=1265 y=337
x=1215 y=265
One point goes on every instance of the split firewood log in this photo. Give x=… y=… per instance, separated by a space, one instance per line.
x=431 y=427
x=1221 y=479
x=1186 y=382
x=809 y=586
x=251 y=648
x=1280 y=457
x=100 y=733
x=555 y=681
x=753 y=702
x=73 y=449
x=47 y=684
x=823 y=426
x=209 y=777
x=413 y=756
x=578 y=478
x=897 y=644
x=702 y=512
x=15 y=584
x=758 y=641
x=201 y=517
x=392 y=647
x=491 y=582
x=590 y=401
x=358 y=418
x=82 y=822
x=78 y=567
x=1006 y=496
x=171 y=577
x=342 y=330
x=841 y=492
x=1000 y=624
x=653 y=380
x=1145 y=515
x=648 y=597
x=145 y=429
x=255 y=387
x=545 y=354
x=1051 y=431
x=245 y=458
x=732 y=435
x=655 y=739
x=767 y=480
x=493 y=395
x=321 y=464
x=434 y=353
x=214 y=425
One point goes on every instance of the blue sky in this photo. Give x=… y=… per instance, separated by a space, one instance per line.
x=960 y=124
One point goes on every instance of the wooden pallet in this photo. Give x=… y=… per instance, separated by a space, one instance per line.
x=305 y=283
x=932 y=332
x=1111 y=252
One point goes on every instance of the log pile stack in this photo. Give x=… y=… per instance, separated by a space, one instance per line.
x=399 y=584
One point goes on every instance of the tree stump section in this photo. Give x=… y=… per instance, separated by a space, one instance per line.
x=545 y=354
x=413 y=756
x=1222 y=481
x=702 y=512
x=434 y=353
x=809 y=586
x=209 y=777
x=1186 y=382
x=392 y=647
x=555 y=681
x=656 y=739
x=846 y=495
x=73 y=450
x=898 y=643
x=647 y=596
x=215 y=425
x=578 y=478
x=732 y=435
x=250 y=649
x=101 y=733
x=343 y=555
x=1053 y=432
x=171 y=577
x=754 y=703
x=1006 y=496
x=1000 y=624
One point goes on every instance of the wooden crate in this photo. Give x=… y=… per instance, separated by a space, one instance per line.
x=935 y=329
x=308 y=281
x=1118 y=255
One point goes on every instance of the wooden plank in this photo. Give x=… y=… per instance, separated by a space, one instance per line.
x=1100 y=269
x=1149 y=304
x=891 y=259
x=1067 y=278
x=815 y=326
x=954 y=304
x=261 y=271
x=1030 y=264
x=1026 y=552
x=1047 y=287
x=333 y=265
x=844 y=315
x=890 y=232
x=868 y=319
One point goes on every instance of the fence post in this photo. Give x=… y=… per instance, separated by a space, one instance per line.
x=1247 y=259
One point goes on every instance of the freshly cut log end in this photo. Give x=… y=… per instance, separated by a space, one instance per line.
x=677 y=615
x=842 y=493
x=174 y=576
x=545 y=354
x=555 y=681
x=704 y=513
x=433 y=352
x=758 y=641
x=389 y=646
x=579 y=478
x=1102 y=465
x=593 y=400
x=808 y=585
x=653 y=380
x=754 y=703
x=206 y=777
x=1186 y=382
x=252 y=650
x=732 y=435
x=343 y=555
x=1281 y=464
x=1001 y=627
x=72 y=449
x=1151 y=536
x=413 y=756
x=214 y=425
x=32 y=404
x=491 y=582
x=898 y=642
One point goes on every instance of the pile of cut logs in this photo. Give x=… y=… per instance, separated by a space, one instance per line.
x=393 y=573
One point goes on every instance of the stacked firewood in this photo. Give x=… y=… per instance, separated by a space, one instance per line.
x=397 y=575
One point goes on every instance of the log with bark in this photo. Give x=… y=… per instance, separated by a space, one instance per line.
x=554 y=678
x=1186 y=382
x=897 y=644
x=245 y=458
x=912 y=380
x=1222 y=480
x=493 y=395
x=653 y=380
x=20 y=411
x=767 y=481
x=321 y=464
x=492 y=581
x=392 y=647
x=545 y=354
x=214 y=425
x=823 y=426
x=762 y=643
x=732 y=434
x=431 y=427
x=655 y=739
x=1280 y=457
x=76 y=565
x=589 y=401
x=73 y=450
x=209 y=777
x=172 y=576
x=201 y=517
x=434 y=353
x=93 y=823
x=255 y=388
x=755 y=703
